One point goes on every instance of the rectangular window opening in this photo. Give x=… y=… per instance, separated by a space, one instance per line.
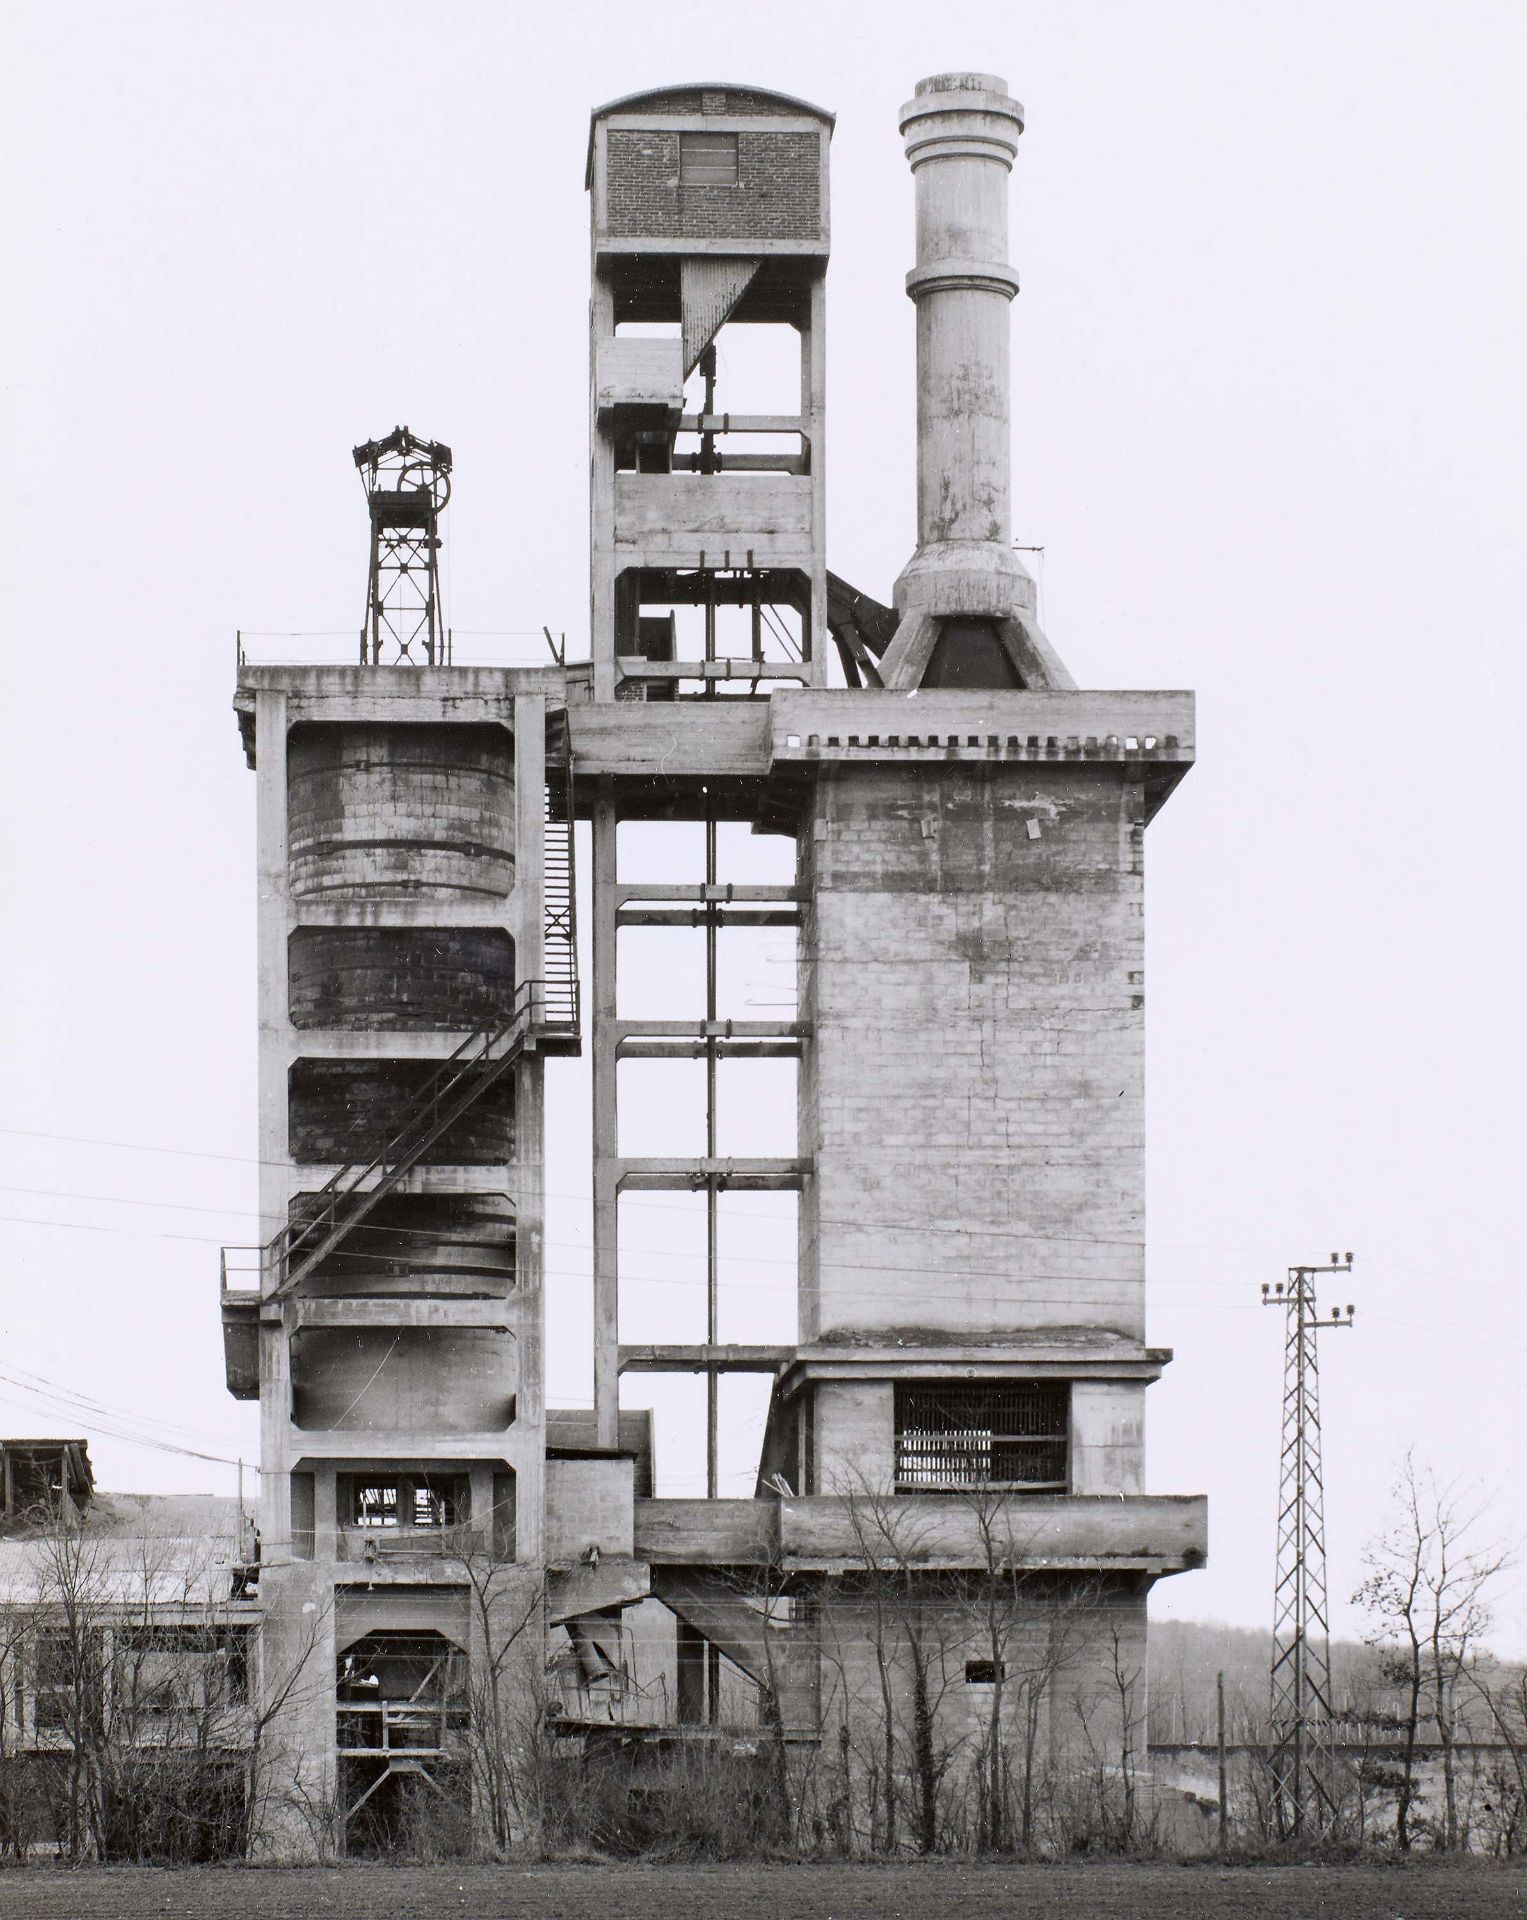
x=405 y=1500
x=984 y=1673
x=999 y=1434
x=708 y=159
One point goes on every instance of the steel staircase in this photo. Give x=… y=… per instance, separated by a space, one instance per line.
x=559 y=880
x=543 y=1017
x=477 y=1064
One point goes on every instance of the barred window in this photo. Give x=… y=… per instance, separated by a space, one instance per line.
x=708 y=159
x=996 y=1434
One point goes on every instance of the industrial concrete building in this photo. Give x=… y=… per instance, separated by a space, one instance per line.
x=965 y=1394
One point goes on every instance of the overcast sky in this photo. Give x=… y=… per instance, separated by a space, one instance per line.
x=1268 y=429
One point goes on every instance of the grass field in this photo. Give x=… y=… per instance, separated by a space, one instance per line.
x=1419 y=1891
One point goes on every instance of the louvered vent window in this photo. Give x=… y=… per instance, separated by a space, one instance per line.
x=708 y=159
x=1010 y=1435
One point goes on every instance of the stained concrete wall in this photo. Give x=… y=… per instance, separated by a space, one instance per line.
x=974 y=1094
x=1078 y=1647
x=589 y=1503
x=1108 y=1436
x=460 y=1245
x=401 y=1381
x=854 y=1438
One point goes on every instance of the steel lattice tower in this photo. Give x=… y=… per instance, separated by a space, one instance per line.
x=407 y=482
x=1301 y=1715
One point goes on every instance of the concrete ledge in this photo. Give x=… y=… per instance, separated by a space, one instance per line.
x=1094 y=1532
x=1147 y=729
x=1026 y=1358
x=1144 y=1533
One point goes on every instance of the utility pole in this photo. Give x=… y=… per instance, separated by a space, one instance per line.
x=1224 y=1771
x=1301 y=1654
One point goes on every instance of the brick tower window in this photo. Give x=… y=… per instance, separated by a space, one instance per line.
x=708 y=159
x=1001 y=1434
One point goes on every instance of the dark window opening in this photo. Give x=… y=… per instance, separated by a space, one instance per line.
x=732 y=628
x=405 y=1500
x=708 y=159
x=1000 y=1434
x=984 y=1673
x=56 y=1666
x=401 y=1693
x=970 y=653
x=505 y=1517
x=179 y=1669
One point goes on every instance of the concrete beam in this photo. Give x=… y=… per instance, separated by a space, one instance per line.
x=700 y=1359
x=1149 y=1534
x=755 y=1176
x=493 y=1315
x=671 y=739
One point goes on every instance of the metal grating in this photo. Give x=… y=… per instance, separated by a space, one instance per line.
x=998 y=1434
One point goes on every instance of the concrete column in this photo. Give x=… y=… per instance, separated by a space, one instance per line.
x=961 y=132
x=276 y=1178
x=606 y=1128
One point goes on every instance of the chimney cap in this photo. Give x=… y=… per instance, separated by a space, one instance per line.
x=954 y=114
x=962 y=83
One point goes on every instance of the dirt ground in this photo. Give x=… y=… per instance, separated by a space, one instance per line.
x=1419 y=1891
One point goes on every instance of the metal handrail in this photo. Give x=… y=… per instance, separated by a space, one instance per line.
x=534 y=1010
x=229 y=1265
x=538 y=1007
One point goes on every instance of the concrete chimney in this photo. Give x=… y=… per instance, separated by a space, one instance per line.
x=961 y=132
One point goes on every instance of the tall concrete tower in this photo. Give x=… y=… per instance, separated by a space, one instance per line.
x=416 y=965
x=971 y=858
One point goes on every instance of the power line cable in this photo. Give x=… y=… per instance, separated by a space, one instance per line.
x=104 y=1407
x=444 y=1239
x=1022 y=1297
x=1001 y=1233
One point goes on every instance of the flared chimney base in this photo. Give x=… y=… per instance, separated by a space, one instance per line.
x=970 y=581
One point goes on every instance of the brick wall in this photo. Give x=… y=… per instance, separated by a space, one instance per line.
x=398 y=979
x=375 y=811
x=688 y=102
x=974 y=1093
x=777 y=197
x=342 y=1109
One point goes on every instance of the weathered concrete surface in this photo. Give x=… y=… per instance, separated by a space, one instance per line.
x=972 y=970
x=1155 y=1533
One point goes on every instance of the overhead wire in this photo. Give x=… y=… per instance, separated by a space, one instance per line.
x=671 y=1280
x=105 y=1430
x=1013 y=1237
x=644 y=1205
x=30 y=1382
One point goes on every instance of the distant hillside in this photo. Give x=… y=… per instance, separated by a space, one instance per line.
x=1185 y=1656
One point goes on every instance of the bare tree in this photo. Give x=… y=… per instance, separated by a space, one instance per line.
x=17 y=1775
x=918 y=1628
x=1427 y=1597
x=145 y=1719
x=1505 y=1700
x=505 y=1731
x=1029 y=1626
